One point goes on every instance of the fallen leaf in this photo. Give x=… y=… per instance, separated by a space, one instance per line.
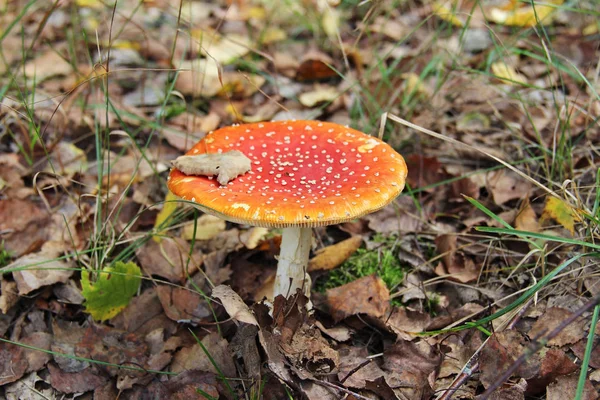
x=407 y=323
x=367 y=295
x=234 y=305
x=182 y=304
x=206 y=227
x=168 y=208
x=225 y=49
x=110 y=293
x=227 y=166
x=507 y=73
x=315 y=65
x=321 y=94
x=565 y=387
x=333 y=256
x=12 y=363
x=169 y=259
x=455 y=264
x=355 y=368
x=550 y=320
x=526 y=219
x=195 y=357
x=22 y=389
x=46 y=65
x=253 y=236
x=75 y=382
x=506 y=185
x=561 y=212
x=40 y=269
x=526 y=15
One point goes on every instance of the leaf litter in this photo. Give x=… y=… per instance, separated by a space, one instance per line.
x=107 y=291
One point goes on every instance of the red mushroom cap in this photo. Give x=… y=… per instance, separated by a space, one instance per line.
x=304 y=173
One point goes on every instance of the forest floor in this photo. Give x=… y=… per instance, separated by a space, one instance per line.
x=480 y=281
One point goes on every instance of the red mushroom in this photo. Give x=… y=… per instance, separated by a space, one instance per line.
x=304 y=174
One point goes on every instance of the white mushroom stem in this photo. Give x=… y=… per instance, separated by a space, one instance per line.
x=293 y=262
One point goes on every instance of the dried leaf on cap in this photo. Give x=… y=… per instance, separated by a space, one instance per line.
x=227 y=166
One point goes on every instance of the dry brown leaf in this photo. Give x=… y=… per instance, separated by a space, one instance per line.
x=183 y=304
x=195 y=357
x=168 y=259
x=75 y=382
x=506 y=185
x=48 y=64
x=550 y=320
x=455 y=265
x=234 y=305
x=565 y=387
x=526 y=219
x=227 y=166
x=367 y=295
x=333 y=256
x=40 y=269
x=407 y=323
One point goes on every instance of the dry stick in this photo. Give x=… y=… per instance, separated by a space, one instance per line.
x=536 y=346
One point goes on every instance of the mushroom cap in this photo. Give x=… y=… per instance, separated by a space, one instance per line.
x=304 y=174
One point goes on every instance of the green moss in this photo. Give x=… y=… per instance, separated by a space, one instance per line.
x=4 y=256
x=382 y=262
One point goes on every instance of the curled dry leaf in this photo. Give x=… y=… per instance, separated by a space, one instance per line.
x=367 y=295
x=234 y=305
x=455 y=264
x=227 y=166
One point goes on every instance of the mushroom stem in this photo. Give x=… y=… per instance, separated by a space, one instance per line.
x=293 y=262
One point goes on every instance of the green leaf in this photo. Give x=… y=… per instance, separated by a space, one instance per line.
x=113 y=289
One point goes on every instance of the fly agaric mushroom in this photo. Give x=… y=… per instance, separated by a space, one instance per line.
x=304 y=174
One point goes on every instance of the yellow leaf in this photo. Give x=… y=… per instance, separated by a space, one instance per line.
x=526 y=16
x=561 y=212
x=321 y=94
x=168 y=208
x=207 y=227
x=446 y=14
x=507 y=73
x=333 y=256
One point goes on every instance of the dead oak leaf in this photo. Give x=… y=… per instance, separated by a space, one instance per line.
x=40 y=269
x=565 y=387
x=13 y=363
x=506 y=185
x=455 y=264
x=168 y=259
x=550 y=320
x=368 y=295
x=195 y=357
x=75 y=382
x=182 y=304
x=406 y=324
